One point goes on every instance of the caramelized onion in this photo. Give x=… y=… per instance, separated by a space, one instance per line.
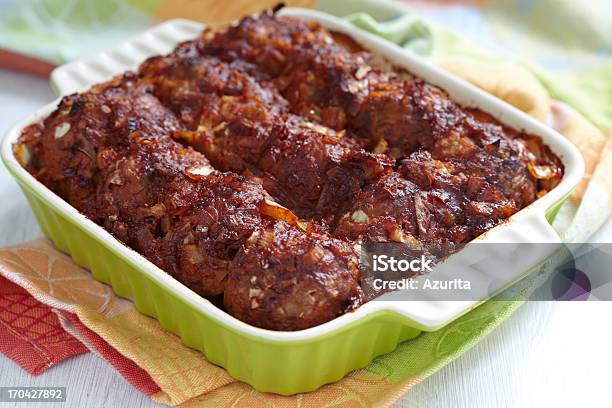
x=541 y=171
x=22 y=153
x=278 y=212
x=198 y=172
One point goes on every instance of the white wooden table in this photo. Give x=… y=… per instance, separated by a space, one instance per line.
x=546 y=354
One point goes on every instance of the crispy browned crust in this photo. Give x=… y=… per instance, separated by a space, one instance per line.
x=312 y=149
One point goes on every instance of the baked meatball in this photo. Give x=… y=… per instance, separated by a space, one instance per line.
x=292 y=281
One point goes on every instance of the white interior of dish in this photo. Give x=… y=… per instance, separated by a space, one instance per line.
x=528 y=225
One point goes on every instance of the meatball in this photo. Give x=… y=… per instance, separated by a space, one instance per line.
x=383 y=212
x=291 y=281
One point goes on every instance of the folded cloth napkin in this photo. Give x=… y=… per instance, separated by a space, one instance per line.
x=31 y=334
x=52 y=309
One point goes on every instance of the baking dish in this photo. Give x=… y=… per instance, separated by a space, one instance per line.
x=281 y=362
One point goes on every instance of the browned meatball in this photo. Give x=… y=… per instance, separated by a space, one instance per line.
x=292 y=281
x=383 y=212
x=306 y=167
x=108 y=152
x=458 y=200
x=194 y=87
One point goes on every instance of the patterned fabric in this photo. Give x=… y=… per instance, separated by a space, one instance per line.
x=30 y=332
x=59 y=31
x=558 y=35
x=134 y=374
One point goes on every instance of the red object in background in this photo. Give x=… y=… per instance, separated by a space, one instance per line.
x=23 y=63
x=30 y=333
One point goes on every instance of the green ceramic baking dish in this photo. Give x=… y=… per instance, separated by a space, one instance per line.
x=280 y=362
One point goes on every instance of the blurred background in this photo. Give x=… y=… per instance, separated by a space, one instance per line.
x=547 y=30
